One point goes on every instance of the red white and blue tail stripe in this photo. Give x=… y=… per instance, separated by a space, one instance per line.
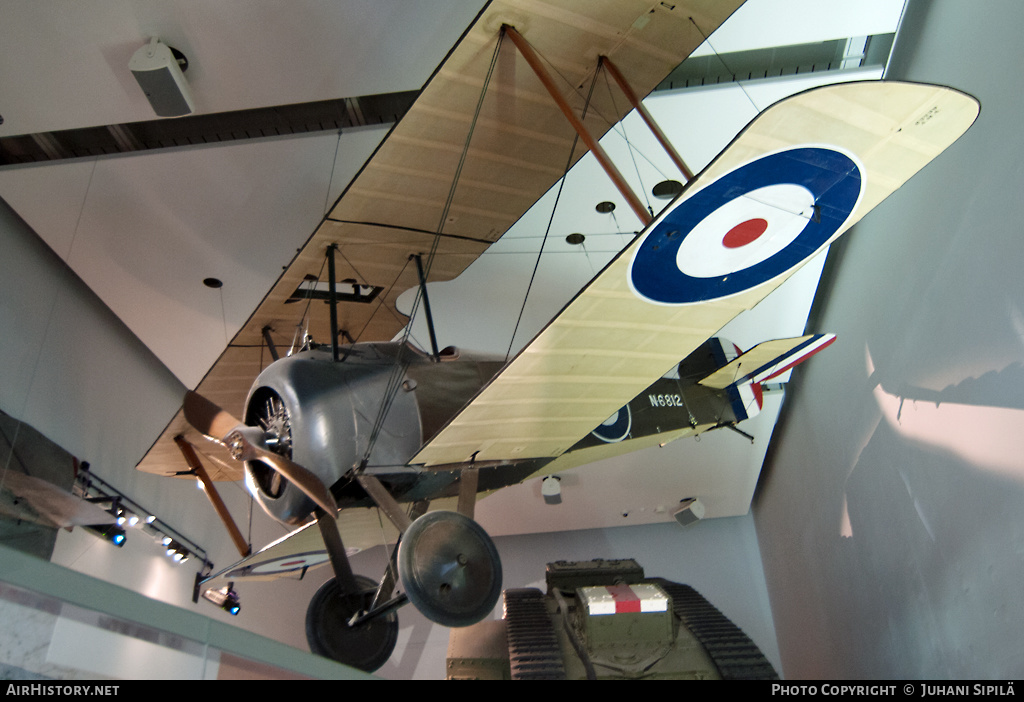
x=742 y=376
x=795 y=356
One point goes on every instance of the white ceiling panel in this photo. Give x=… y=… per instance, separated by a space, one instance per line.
x=65 y=64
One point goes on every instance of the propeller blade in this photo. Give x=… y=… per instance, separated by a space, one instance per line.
x=302 y=478
x=209 y=419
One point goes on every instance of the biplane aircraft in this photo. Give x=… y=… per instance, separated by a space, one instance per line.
x=633 y=359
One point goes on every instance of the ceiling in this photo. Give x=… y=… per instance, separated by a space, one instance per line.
x=144 y=229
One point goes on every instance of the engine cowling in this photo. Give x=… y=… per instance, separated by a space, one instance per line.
x=321 y=414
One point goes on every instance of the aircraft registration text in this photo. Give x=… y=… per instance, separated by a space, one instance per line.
x=665 y=400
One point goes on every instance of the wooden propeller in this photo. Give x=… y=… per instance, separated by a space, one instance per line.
x=246 y=444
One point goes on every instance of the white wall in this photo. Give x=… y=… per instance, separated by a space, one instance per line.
x=889 y=516
x=70 y=368
x=75 y=373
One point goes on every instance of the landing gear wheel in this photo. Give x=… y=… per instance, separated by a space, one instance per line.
x=367 y=646
x=449 y=568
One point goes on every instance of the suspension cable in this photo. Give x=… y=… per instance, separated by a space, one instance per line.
x=401 y=362
x=551 y=218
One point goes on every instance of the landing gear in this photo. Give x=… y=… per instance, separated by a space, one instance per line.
x=450 y=568
x=366 y=646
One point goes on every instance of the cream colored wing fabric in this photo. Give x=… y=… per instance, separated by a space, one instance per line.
x=797 y=177
x=395 y=205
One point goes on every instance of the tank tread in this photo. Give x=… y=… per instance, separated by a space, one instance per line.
x=734 y=654
x=534 y=653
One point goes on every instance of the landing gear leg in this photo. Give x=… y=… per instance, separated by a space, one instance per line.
x=330 y=630
x=447 y=563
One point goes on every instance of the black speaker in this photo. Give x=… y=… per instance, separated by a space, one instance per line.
x=159 y=69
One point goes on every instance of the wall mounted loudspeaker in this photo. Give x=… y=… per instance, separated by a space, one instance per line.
x=689 y=511
x=159 y=70
x=551 y=490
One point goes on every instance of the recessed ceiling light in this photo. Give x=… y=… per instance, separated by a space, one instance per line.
x=605 y=207
x=213 y=282
x=575 y=239
x=667 y=189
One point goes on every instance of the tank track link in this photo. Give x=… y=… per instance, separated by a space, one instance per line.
x=734 y=654
x=533 y=648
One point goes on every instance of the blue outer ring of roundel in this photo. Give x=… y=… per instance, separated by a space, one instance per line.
x=617 y=430
x=833 y=178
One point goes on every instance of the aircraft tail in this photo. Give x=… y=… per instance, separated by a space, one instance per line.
x=742 y=377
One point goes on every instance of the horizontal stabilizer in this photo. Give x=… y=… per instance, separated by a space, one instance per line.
x=767 y=360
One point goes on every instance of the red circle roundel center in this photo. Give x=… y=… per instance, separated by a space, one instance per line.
x=744 y=233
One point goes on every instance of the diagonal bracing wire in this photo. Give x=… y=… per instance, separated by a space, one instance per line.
x=401 y=363
x=551 y=218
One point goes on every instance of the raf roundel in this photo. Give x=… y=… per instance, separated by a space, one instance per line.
x=615 y=428
x=753 y=224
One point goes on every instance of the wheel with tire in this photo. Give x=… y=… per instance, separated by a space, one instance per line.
x=366 y=646
x=449 y=568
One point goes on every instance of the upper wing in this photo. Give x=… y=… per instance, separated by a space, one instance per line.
x=802 y=173
x=519 y=148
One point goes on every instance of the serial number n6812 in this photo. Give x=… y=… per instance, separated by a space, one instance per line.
x=665 y=400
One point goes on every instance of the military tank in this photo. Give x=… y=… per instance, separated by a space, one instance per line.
x=603 y=619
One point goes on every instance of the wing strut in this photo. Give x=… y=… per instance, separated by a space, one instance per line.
x=599 y=153
x=426 y=305
x=196 y=467
x=332 y=288
x=646 y=116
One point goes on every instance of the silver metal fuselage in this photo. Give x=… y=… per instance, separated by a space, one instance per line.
x=333 y=408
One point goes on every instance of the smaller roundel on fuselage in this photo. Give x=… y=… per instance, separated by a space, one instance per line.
x=751 y=225
x=615 y=428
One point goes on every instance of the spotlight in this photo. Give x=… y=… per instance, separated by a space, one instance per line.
x=125 y=518
x=226 y=598
x=175 y=551
x=126 y=513
x=110 y=532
